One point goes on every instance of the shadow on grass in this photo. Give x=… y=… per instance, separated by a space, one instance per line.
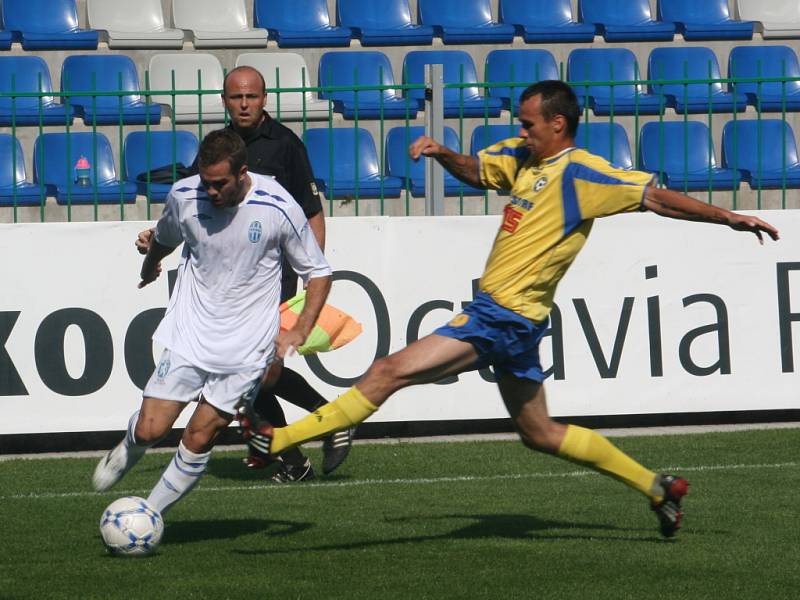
x=487 y=526
x=232 y=468
x=183 y=532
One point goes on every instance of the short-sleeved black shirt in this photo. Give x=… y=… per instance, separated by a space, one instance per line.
x=274 y=149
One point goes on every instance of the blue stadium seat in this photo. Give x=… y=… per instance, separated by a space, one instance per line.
x=624 y=20
x=538 y=21
x=399 y=164
x=53 y=165
x=463 y=22
x=484 y=136
x=608 y=140
x=29 y=74
x=765 y=62
x=683 y=155
x=703 y=20
x=367 y=68
x=299 y=23
x=5 y=39
x=141 y=159
x=382 y=23
x=106 y=73
x=47 y=25
x=345 y=164
x=517 y=66
x=691 y=62
x=760 y=149
x=609 y=64
x=14 y=189
x=458 y=68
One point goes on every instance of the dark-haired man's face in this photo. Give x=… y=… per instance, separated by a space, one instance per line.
x=544 y=137
x=244 y=98
x=224 y=188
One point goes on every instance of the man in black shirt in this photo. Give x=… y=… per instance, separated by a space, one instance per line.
x=273 y=149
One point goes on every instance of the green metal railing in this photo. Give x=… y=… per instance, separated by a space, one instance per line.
x=50 y=211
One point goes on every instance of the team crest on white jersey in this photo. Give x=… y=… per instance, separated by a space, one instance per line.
x=254 y=231
x=163 y=368
x=540 y=183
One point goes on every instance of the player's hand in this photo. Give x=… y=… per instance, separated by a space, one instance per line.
x=754 y=225
x=424 y=146
x=143 y=240
x=288 y=342
x=149 y=274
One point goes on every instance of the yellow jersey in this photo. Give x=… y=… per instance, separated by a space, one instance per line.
x=548 y=219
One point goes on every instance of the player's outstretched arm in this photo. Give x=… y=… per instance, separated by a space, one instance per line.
x=316 y=295
x=464 y=167
x=151 y=266
x=672 y=204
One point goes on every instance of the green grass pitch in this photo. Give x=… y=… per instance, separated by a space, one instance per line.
x=423 y=520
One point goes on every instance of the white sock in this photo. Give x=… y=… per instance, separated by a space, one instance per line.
x=135 y=451
x=178 y=479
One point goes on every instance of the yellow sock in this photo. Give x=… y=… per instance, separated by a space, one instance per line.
x=592 y=449
x=351 y=408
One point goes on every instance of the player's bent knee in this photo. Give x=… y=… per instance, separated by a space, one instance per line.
x=150 y=431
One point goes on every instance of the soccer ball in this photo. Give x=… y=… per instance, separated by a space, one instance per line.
x=131 y=527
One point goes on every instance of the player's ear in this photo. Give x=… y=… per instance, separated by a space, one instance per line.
x=559 y=123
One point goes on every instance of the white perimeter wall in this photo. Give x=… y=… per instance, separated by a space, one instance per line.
x=695 y=313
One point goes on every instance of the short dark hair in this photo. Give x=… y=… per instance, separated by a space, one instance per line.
x=239 y=70
x=222 y=144
x=557 y=99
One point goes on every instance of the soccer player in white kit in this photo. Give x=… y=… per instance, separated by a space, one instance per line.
x=221 y=328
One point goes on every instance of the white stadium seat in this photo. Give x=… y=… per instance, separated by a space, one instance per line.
x=286 y=68
x=133 y=24
x=217 y=23
x=186 y=67
x=774 y=18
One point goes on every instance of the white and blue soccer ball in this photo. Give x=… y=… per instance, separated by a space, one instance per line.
x=131 y=527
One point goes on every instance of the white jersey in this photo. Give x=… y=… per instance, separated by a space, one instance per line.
x=223 y=313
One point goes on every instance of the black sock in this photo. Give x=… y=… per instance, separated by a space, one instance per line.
x=293 y=388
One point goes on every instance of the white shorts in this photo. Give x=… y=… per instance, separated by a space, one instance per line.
x=177 y=379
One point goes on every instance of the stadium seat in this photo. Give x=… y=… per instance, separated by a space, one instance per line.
x=133 y=24
x=705 y=20
x=458 y=68
x=192 y=71
x=608 y=140
x=14 y=189
x=683 y=155
x=286 y=70
x=345 y=164
x=484 y=136
x=691 y=62
x=382 y=23
x=624 y=20
x=299 y=23
x=539 y=21
x=5 y=40
x=517 y=66
x=47 y=25
x=463 y=22
x=765 y=62
x=412 y=172
x=106 y=73
x=773 y=18
x=157 y=150
x=217 y=24
x=26 y=74
x=609 y=64
x=760 y=149
x=55 y=156
x=367 y=68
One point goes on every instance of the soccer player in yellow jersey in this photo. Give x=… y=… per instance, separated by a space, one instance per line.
x=556 y=192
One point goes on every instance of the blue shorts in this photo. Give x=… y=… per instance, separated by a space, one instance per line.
x=504 y=340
